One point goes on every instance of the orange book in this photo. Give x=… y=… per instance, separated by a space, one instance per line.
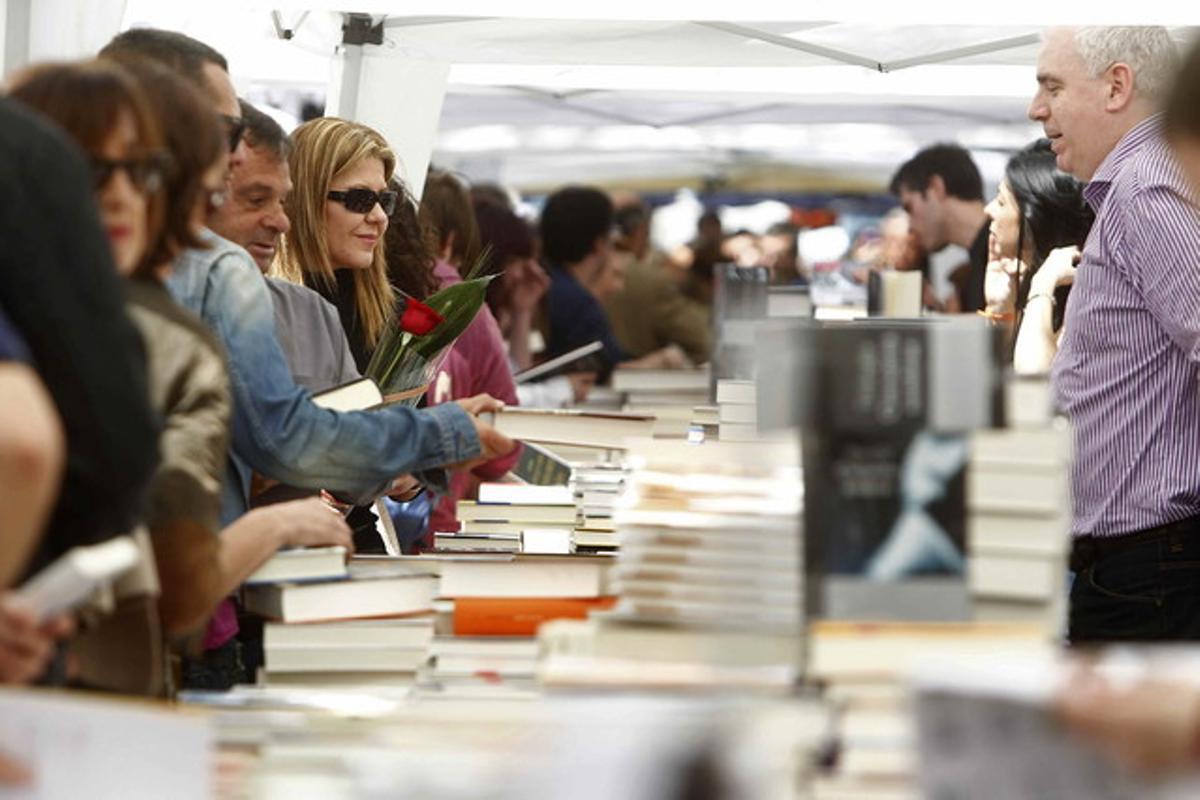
x=519 y=616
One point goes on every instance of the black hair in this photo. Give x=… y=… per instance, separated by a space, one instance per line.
x=950 y=161
x=177 y=51
x=572 y=219
x=1052 y=210
x=264 y=133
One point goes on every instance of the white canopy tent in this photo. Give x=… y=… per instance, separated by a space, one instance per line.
x=535 y=93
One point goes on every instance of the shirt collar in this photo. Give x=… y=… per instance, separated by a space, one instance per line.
x=1097 y=188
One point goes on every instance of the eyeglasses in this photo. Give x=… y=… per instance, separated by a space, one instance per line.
x=145 y=173
x=234 y=127
x=362 y=201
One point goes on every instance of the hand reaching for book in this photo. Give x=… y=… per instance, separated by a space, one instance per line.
x=480 y=403
x=581 y=384
x=26 y=646
x=311 y=523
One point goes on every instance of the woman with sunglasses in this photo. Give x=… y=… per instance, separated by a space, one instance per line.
x=339 y=213
x=152 y=213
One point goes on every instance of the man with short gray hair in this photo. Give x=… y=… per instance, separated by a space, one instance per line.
x=1128 y=367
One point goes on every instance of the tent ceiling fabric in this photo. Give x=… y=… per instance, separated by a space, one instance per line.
x=697 y=83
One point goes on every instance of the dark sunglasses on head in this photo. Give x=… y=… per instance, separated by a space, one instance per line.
x=145 y=173
x=361 y=201
x=234 y=127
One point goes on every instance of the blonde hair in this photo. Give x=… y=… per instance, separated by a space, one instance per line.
x=321 y=150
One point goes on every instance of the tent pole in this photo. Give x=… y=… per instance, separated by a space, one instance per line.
x=398 y=96
x=961 y=52
x=792 y=44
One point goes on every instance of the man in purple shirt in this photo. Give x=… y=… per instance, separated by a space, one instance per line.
x=1128 y=368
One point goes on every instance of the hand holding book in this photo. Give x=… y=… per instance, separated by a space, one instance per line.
x=26 y=644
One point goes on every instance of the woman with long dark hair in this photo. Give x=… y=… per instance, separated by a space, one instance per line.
x=1039 y=222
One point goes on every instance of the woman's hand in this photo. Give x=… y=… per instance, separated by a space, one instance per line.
x=311 y=522
x=405 y=488
x=527 y=283
x=1000 y=284
x=1057 y=270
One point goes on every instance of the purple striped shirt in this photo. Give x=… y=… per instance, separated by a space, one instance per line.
x=1128 y=370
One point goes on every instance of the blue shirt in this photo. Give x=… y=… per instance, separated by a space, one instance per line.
x=1128 y=369
x=277 y=430
x=577 y=318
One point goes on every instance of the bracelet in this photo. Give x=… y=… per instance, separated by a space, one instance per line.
x=1049 y=297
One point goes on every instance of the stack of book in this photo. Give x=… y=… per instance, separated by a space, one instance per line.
x=863 y=669
x=644 y=388
x=498 y=603
x=1018 y=521
x=737 y=411
x=330 y=624
x=707 y=577
x=514 y=518
x=599 y=488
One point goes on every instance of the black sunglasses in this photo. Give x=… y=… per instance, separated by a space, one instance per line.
x=234 y=127
x=146 y=173
x=361 y=201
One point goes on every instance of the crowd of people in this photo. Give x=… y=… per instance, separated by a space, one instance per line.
x=181 y=275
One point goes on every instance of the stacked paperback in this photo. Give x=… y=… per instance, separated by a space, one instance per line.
x=737 y=411
x=333 y=624
x=1018 y=516
x=707 y=575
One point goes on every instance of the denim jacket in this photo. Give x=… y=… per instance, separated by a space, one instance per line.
x=277 y=430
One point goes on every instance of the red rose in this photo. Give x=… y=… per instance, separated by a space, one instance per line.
x=418 y=318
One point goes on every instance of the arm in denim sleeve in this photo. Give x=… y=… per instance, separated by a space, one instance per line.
x=277 y=429
x=1163 y=234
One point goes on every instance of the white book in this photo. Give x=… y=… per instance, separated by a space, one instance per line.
x=739 y=392
x=468 y=511
x=649 y=381
x=385 y=592
x=546 y=541
x=344 y=658
x=1025 y=578
x=70 y=580
x=515 y=647
x=526 y=494
x=1007 y=534
x=571 y=426
x=353 y=396
x=302 y=563
x=521 y=576
x=399 y=632
x=1019 y=448
x=1030 y=491
x=737 y=413
x=83 y=746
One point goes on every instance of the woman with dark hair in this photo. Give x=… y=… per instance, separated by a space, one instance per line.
x=1039 y=222
x=146 y=131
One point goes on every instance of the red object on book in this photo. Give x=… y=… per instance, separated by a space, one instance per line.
x=519 y=616
x=418 y=318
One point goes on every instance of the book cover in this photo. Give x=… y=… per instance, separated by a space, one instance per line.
x=519 y=616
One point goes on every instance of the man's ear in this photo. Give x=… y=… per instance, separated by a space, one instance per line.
x=1119 y=87
x=936 y=187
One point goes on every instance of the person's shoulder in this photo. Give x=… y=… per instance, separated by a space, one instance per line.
x=1154 y=168
x=299 y=298
x=217 y=252
x=155 y=303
